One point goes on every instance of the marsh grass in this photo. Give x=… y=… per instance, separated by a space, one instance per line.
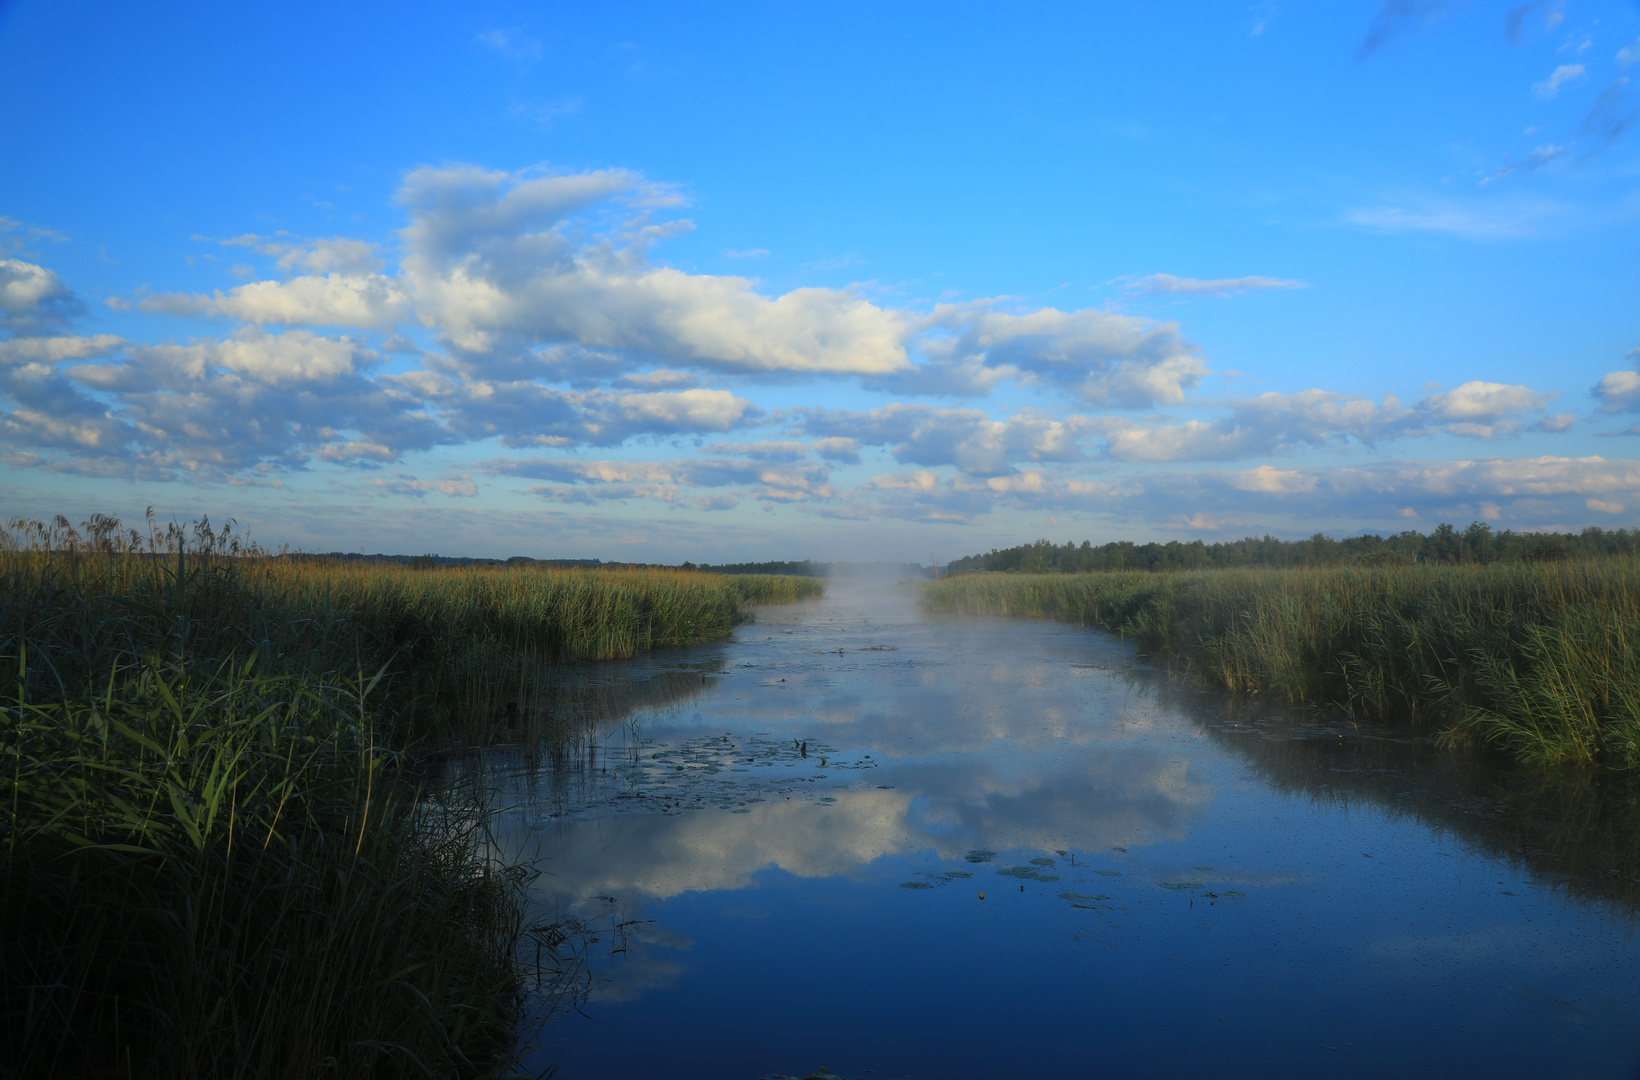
x=227 y=876
x=218 y=857
x=1539 y=660
x=461 y=646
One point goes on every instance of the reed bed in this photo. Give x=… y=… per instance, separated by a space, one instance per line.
x=216 y=856
x=458 y=645
x=1538 y=660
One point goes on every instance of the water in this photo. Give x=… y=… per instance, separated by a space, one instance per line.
x=1012 y=849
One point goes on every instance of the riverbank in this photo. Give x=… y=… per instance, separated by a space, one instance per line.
x=1538 y=660
x=218 y=857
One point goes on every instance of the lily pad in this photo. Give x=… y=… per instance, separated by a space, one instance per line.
x=1234 y=892
x=958 y=874
x=1181 y=884
x=1046 y=877
x=742 y=810
x=915 y=885
x=980 y=856
x=1108 y=873
x=1019 y=872
x=1042 y=862
x=1074 y=896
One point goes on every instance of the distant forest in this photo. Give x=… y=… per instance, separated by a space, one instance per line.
x=810 y=568
x=806 y=568
x=1446 y=544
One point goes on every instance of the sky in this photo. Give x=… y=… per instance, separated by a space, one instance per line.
x=718 y=282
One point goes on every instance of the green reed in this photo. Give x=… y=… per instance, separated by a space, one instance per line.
x=459 y=644
x=1539 y=660
x=221 y=873
x=216 y=858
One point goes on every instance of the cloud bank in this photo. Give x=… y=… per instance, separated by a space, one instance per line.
x=526 y=321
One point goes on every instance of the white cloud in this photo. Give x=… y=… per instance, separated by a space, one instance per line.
x=1550 y=87
x=1521 y=492
x=458 y=486
x=842 y=450
x=212 y=409
x=503 y=265
x=1275 y=423
x=1104 y=358
x=1169 y=284
x=51 y=350
x=1629 y=54
x=665 y=481
x=321 y=255
x=362 y=301
x=528 y=414
x=966 y=438
x=1273 y=481
x=1619 y=391
x=32 y=297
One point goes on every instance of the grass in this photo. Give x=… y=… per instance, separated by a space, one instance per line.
x=459 y=644
x=1538 y=660
x=227 y=877
x=216 y=857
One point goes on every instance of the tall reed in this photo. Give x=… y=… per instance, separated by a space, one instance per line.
x=227 y=876
x=215 y=857
x=458 y=643
x=1541 y=660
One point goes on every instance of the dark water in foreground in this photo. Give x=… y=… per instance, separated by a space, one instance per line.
x=1175 y=883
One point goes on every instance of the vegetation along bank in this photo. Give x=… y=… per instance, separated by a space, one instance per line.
x=1539 y=659
x=218 y=857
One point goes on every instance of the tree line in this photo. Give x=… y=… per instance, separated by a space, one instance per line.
x=1445 y=544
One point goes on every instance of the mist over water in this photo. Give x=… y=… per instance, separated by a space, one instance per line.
x=770 y=854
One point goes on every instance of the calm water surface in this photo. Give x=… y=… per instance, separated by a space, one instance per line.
x=1013 y=850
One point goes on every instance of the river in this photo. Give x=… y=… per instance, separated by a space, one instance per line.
x=889 y=844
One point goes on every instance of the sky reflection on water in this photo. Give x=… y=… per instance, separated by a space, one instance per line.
x=1172 y=881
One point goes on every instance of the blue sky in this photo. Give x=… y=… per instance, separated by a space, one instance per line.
x=728 y=282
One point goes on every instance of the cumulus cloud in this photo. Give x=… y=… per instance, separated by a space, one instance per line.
x=371 y=302
x=210 y=409
x=321 y=255
x=665 y=481
x=1169 y=284
x=968 y=439
x=509 y=269
x=495 y=254
x=1275 y=423
x=525 y=413
x=51 y=350
x=33 y=298
x=1101 y=357
x=1619 y=391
